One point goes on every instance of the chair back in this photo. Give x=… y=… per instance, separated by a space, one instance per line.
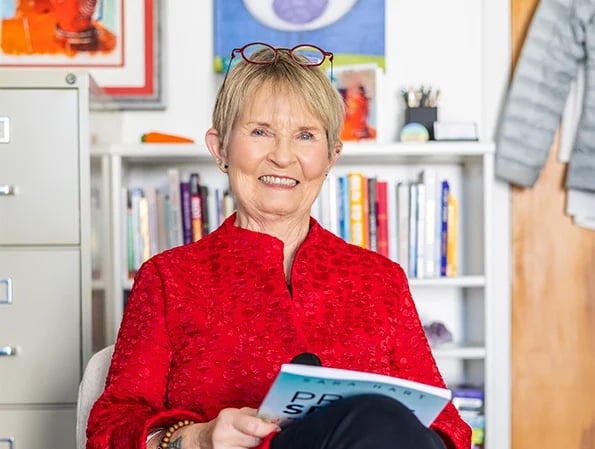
x=91 y=386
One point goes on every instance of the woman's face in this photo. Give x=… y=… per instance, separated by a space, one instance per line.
x=278 y=158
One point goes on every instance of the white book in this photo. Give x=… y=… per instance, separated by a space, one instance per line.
x=412 y=231
x=429 y=178
x=301 y=389
x=162 y=210
x=420 y=241
x=136 y=243
x=393 y=222
x=151 y=196
x=176 y=236
x=403 y=224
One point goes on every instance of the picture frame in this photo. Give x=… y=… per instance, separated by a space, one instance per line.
x=120 y=48
x=360 y=87
x=329 y=25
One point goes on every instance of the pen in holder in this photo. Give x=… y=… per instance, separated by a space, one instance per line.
x=424 y=115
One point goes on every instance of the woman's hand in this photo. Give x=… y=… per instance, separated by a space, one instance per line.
x=232 y=429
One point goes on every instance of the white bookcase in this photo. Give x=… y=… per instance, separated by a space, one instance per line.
x=464 y=303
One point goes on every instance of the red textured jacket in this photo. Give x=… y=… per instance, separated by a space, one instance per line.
x=207 y=326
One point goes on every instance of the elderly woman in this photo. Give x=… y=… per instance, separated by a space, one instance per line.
x=208 y=324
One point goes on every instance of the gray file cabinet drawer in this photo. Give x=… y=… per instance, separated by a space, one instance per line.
x=39 y=167
x=39 y=326
x=37 y=428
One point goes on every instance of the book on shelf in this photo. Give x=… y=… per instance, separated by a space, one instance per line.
x=357 y=209
x=424 y=225
x=429 y=178
x=452 y=236
x=412 y=230
x=371 y=207
x=382 y=234
x=196 y=207
x=162 y=221
x=186 y=212
x=205 y=198
x=176 y=233
x=445 y=192
x=403 y=224
x=299 y=390
x=152 y=221
x=469 y=401
x=344 y=215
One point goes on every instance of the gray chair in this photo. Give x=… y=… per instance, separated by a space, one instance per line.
x=91 y=386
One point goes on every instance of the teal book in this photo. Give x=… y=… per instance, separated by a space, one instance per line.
x=299 y=390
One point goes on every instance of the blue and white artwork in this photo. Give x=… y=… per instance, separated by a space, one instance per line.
x=352 y=29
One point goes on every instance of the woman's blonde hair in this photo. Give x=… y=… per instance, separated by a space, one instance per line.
x=309 y=85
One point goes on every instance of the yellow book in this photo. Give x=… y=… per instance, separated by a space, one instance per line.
x=357 y=209
x=451 y=236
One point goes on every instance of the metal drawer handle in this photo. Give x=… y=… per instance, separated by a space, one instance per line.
x=9 y=440
x=7 y=190
x=8 y=351
x=8 y=299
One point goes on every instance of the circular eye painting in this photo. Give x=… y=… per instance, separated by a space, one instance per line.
x=295 y=15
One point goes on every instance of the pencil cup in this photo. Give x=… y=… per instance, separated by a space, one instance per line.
x=424 y=115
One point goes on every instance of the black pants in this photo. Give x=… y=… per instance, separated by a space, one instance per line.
x=361 y=422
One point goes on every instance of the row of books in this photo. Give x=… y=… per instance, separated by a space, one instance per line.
x=469 y=401
x=413 y=222
x=175 y=214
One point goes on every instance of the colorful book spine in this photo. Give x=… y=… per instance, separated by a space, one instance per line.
x=357 y=209
x=382 y=218
x=452 y=237
x=195 y=207
x=421 y=231
x=343 y=199
x=186 y=214
x=144 y=236
x=204 y=204
x=444 y=226
x=371 y=213
x=392 y=219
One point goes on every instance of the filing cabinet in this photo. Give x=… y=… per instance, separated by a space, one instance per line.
x=45 y=275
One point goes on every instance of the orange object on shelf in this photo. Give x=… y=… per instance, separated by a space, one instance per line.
x=157 y=137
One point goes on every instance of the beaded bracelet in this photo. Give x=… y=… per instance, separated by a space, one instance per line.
x=169 y=432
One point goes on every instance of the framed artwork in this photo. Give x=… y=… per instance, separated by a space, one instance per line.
x=116 y=41
x=333 y=25
x=359 y=86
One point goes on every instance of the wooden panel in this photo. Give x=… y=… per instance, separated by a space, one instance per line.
x=553 y=307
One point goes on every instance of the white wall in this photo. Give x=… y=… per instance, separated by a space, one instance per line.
x=427 y=42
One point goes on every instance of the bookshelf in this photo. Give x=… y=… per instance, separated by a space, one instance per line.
x=464 y=302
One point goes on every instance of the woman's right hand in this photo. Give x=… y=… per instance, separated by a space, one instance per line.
x=232 y=429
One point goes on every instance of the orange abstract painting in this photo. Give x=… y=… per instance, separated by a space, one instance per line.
x=55 y=27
